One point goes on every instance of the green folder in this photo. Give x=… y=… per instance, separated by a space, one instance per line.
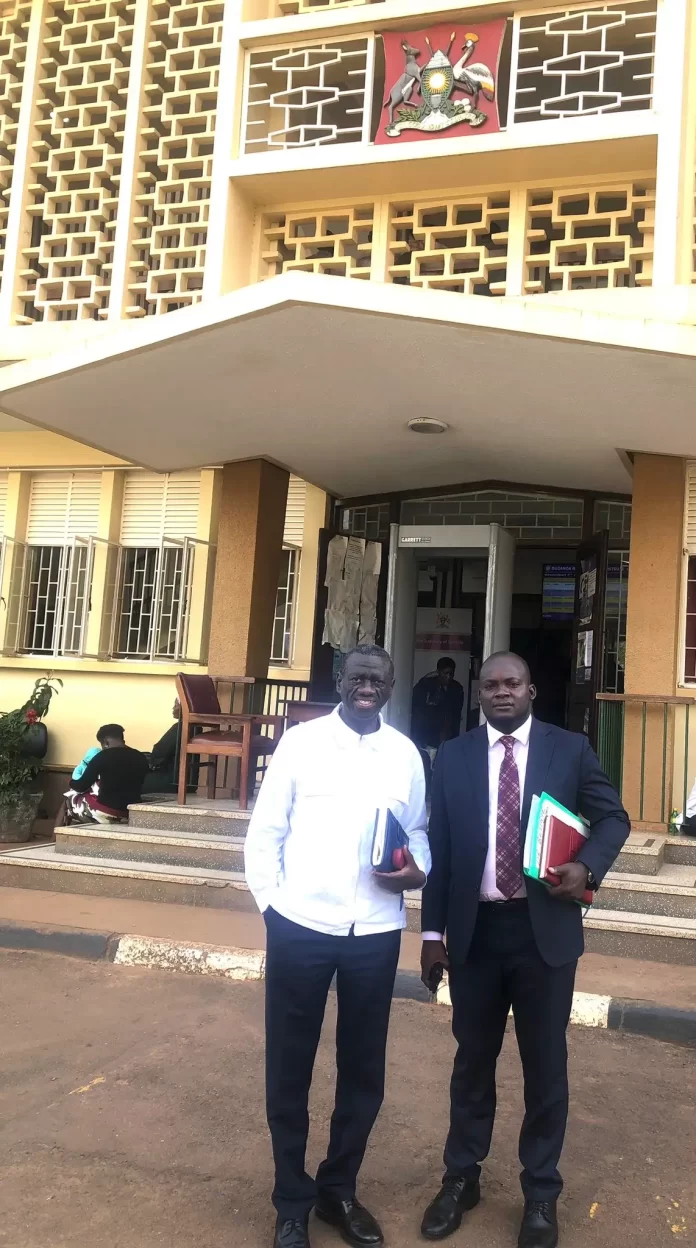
x=533 y=844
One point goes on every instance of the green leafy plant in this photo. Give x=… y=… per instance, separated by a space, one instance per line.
x=18 y=769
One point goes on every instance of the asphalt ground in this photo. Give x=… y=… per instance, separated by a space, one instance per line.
x=131 y=1116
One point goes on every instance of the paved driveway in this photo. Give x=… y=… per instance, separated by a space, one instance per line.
x=131 y=1116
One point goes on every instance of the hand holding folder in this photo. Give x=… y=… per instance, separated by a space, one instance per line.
x=394 y=866
x=555 y=838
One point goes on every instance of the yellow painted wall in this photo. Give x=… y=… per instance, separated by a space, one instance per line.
x=657 y=524
x=137 y=694
x=135 y=685
x=38 y=449
x=653 y=631
x=88 y=699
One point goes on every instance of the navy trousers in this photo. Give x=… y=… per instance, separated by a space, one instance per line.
x=300 y=965
x=504 y=968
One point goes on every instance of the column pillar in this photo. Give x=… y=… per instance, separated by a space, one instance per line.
x=253 y=497
x=653 y=636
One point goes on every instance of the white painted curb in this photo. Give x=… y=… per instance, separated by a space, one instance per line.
x=589 y=1009
x=173 y=955
x=249 y=965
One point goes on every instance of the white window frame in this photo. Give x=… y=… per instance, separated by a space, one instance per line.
x=69 y=638
x=153 y=653
x=289 y=613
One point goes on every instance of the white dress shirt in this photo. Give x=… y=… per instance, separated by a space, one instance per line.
x=496 y=754
x=308 y=849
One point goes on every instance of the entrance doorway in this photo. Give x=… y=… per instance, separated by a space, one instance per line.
x=449 y=592
x=465 y=591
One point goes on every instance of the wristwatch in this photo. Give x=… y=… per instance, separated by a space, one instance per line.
x=591 y=881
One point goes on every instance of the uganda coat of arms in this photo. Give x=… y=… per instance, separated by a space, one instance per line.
x=454 y=86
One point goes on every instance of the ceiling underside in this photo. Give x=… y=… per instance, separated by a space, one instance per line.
x=323 y=379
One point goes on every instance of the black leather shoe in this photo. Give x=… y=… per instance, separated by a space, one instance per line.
x=353 y=1220
x=444 y=1214
x=539 y=1225
x=291 y=1233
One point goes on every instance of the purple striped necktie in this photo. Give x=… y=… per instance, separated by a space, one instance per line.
x=508 y=873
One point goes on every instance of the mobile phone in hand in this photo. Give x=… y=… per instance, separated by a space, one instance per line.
x=435 y=978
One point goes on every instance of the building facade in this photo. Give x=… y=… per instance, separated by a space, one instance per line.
x=195 y=398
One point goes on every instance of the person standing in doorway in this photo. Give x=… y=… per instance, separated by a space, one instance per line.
x=506 y=941
x=308 y=863
x=436 y=708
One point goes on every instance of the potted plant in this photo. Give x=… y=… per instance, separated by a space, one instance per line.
x=23 y=742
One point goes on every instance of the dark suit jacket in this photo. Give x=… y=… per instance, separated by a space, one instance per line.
x=559 y=763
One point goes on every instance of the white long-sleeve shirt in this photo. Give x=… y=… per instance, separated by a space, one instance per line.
x=308 y=849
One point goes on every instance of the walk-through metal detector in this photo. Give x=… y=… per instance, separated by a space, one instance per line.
x=409 y=544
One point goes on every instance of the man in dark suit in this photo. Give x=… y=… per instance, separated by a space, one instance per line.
x=508 y=941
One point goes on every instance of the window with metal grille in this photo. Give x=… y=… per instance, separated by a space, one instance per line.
x=56 y=598
x=615 y=616
x=281 y=646
x=153 y=600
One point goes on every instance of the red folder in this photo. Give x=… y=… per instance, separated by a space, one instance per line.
x=562 y=844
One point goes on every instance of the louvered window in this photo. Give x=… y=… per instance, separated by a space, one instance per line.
x=156 y=563
x=295 y=512
x=690 y=548
x=283 y=622
x=52 y=572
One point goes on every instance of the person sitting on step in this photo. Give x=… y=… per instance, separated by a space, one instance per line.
x=111 y=782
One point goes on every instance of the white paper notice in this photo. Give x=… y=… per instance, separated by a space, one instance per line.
x=344 y=575
x=372 y=563
x=335 y=558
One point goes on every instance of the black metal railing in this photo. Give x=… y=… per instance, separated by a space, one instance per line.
x=248 y=695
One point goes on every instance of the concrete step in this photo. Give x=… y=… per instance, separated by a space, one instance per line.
x=55 y=869
x=200 y=816
x=652 y=937
x=643 y=854
x=45 y=868
x=681 y=850
x=128 y=844
x=672 y=892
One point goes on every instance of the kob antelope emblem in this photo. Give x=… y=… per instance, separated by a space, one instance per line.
x=448 y=90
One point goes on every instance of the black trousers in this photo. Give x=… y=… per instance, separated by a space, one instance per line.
x=504 y=968
x=300 y=965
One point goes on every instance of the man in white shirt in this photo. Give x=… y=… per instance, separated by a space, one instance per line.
x=308 y=863
x=509 y=942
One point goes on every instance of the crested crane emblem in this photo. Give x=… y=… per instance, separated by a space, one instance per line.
x=446 y=91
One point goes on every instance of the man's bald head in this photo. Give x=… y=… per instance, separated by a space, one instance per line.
x=509 y=654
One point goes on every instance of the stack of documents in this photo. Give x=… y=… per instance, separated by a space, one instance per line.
x=555 y=836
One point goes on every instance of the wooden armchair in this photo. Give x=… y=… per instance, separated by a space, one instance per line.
x=303 y=712
x=205 y=730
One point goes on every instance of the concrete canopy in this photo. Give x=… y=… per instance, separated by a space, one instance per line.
x=321 y=374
